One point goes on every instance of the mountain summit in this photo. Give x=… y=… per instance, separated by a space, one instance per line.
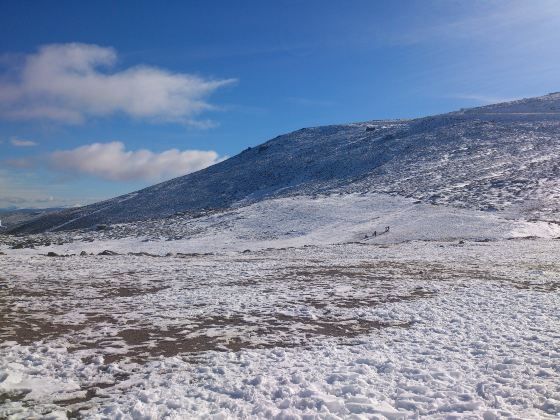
x=501 y=157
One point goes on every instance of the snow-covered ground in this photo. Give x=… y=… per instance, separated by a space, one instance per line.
x=294 y=222
x=285 y=309
x=431 y=329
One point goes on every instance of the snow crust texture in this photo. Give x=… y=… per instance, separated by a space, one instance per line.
x=430 y=329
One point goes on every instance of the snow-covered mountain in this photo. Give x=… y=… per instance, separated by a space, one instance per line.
x=500 y=157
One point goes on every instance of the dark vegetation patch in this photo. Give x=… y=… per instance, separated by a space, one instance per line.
x=130 y=291
x=130 y=339
x=239 y=332
x=25 y=329
x=389 y=271
x=109 y=332
x=548 y=287
x=370 y=300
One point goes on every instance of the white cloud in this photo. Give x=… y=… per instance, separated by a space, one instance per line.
x=70 y=82
x=22 y=143
x=111 y=161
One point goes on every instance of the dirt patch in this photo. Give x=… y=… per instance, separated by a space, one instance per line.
x=234 y=333
x=108 y=331
x=384 y=271
x=13 y=396
x=242 y=283
x=369 y=301
x=548 y=287
x=129 y=291
x=379 y=300
x=26 y=330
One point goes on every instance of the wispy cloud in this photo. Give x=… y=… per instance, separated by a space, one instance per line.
x=40 y=201
x=22 y=190
x=22 y=143
x=21 y=163
x=112 y=161
x=487 y=20
x=68 y=83
x=18 y=201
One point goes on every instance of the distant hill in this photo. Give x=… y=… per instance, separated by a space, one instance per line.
x=499 y=158
x=11 y=217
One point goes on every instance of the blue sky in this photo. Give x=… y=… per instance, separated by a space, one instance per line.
x=102 y=98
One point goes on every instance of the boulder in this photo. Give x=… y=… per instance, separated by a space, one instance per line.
x=108 y=252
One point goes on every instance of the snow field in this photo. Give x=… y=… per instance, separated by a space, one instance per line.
x=294 y=222
x=432 y=329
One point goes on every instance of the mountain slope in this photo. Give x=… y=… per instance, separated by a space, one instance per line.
x=13 y=217
x=500 y=157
